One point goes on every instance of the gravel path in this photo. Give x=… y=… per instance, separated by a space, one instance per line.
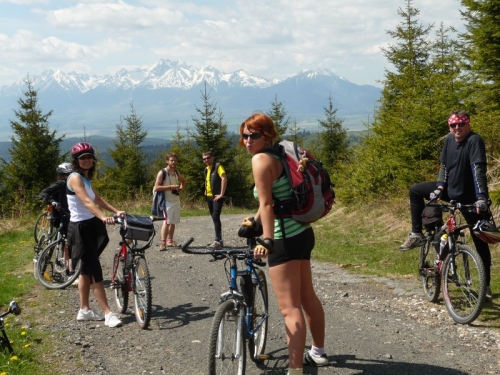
x=374 y=325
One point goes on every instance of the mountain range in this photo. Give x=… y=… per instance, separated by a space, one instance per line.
x=166 y=95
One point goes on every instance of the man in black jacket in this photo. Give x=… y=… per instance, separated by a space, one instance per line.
x=462 y=177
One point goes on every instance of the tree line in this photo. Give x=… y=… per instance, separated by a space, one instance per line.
x=433 y=70
x=35 y=153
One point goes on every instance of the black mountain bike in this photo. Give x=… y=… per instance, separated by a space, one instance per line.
x=52 y=267
x=455 y=267
x=4 y=340
x=242 y=315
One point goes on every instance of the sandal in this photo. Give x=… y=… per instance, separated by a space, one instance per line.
x=171 y=244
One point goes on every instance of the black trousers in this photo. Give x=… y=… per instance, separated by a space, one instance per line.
x=419 y=192
x=215 y=208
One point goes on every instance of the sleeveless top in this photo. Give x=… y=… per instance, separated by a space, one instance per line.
x=171 y=180
x=76 y=207
x=281 y=190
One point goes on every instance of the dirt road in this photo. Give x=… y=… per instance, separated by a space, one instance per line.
x=374 y=325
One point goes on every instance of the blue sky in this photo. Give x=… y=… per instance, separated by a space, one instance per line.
x=270 y=38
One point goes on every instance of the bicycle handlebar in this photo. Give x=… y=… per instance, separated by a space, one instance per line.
x=222 y=253
x=13 y=309
x=453 y=205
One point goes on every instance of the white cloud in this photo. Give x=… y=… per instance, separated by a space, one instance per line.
x=273 y=38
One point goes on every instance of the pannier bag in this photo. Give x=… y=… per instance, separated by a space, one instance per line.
x=432 y=215
x=138 y=228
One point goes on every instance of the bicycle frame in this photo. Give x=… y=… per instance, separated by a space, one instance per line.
x=245 y=296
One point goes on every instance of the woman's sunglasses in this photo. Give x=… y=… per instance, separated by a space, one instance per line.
x=252 y=135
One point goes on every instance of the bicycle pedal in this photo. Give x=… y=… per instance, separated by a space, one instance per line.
x=262 y=357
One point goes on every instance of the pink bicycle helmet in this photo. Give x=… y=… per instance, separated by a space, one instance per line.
x=82 y=148
x=486 y=231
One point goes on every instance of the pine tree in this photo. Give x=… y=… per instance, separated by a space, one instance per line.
x=129 y=174
x=34 y=154
x=333 y=143
x=482 y=57
x=280 y=117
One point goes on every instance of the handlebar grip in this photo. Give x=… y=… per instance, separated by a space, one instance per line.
x=186 y=244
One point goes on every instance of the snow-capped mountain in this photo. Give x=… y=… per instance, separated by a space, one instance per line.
x=167 y=93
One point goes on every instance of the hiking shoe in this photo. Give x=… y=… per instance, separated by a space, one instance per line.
x=313 y=360
x=88 y=315
x=112 y=320
x=489 y=294
x=412 y=241
x=216 y=245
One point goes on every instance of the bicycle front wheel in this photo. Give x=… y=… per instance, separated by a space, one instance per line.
x=118 y=283
x=257 y=341
x=143 y=293
x=226 y=354
x=52 y=269
x=464 y=284
x=42 y=225
x=429 y=271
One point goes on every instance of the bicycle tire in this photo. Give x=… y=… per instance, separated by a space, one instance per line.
x=430 y=276
x=143 y=293
x=52 y=271
x=38 y=249
x=464 y=295
x=257 y=342
x=119 y=284
x=227 y=327
x=42 y=225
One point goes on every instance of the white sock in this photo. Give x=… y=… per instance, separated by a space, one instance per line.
x=318 y=352
x=295 y=371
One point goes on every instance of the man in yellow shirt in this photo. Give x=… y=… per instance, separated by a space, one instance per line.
x=215 y=188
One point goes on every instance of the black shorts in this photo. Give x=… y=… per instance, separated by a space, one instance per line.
x=87 y=239
x=298 y=247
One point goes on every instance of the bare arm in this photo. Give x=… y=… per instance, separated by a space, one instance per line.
x=77 y=185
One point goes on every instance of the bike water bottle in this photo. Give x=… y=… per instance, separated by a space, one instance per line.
x=443 y=243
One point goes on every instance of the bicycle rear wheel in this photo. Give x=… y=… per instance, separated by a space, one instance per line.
x=42 y=225
x=226 y=354
x=52 y=268
x=257 y=342
x=119 y=284
x=142 y=294
x=429 y=272
x=464 y=284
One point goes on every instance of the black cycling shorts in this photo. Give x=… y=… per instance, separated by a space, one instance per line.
x=87 y=240
x=298 y=247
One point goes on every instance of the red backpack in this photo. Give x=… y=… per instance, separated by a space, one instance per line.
x=310 y=184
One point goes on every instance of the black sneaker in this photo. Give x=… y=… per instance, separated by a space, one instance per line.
x=317 y=361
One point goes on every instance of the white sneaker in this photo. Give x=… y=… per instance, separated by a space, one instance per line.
x=88 y=315
x=112 y=320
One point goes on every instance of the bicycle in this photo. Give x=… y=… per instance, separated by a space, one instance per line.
x=243 y=311
x=52 y=268
x=453 y=266
x=43 y=226
x=4 y=340
x=130 y=269
x=45 y=232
